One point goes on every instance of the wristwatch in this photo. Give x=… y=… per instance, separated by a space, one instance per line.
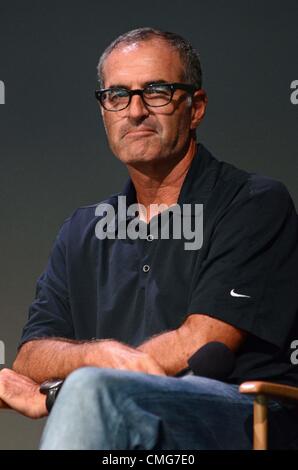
x=51 y=388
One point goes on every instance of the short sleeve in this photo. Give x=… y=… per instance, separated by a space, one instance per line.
x=249 y=277
x=50 y=313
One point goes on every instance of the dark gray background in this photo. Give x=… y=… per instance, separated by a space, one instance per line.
x=53 y=152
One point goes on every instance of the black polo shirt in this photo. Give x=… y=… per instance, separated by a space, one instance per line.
x=245 y=273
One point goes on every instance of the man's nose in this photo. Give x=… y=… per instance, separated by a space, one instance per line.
x=137 y=108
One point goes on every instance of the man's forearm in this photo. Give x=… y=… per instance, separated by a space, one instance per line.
x=57 y=358
x=172 y=349
x=166 y=353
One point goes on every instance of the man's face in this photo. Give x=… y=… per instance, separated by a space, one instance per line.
x=139 y=133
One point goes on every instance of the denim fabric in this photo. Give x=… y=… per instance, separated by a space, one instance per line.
x=118 y=409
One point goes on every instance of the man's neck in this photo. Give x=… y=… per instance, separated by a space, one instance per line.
x=161 y=185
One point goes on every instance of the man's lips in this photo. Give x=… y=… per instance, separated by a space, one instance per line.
x=140 y=132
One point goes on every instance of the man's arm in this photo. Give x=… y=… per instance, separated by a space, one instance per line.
x=42 y=359
x=165 y=354
x=173 y=348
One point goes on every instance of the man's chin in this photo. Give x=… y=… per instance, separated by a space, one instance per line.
x=139 y=154
x=140 y=158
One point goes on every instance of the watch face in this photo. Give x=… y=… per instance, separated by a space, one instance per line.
x=50 y=384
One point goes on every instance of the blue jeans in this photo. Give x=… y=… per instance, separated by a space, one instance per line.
x=114 y=409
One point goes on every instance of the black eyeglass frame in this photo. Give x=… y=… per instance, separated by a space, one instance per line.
x=173 y=87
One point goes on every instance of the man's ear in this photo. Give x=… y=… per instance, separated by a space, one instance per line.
x=199 y=104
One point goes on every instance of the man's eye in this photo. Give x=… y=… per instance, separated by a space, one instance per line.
x=120 y=93
x=157 y=90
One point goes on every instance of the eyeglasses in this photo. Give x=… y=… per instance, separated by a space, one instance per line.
x=155 y=95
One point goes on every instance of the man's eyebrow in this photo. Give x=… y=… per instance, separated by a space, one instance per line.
x=155 y=81
x=149 y=82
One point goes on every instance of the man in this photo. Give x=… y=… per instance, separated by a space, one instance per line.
x=129 y=313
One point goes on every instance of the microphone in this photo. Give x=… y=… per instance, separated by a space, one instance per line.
x=214 y=360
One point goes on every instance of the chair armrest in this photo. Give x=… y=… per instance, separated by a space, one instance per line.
x=271 y=389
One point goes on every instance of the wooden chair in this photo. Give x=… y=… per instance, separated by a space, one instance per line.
x=263 y=392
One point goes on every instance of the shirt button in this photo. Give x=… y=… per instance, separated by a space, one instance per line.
x=150 y=237
x=146 y=268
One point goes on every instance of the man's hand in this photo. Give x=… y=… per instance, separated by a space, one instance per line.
x=110 y=353
x=21 y=394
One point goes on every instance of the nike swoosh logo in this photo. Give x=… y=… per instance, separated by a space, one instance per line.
x=234 y=294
